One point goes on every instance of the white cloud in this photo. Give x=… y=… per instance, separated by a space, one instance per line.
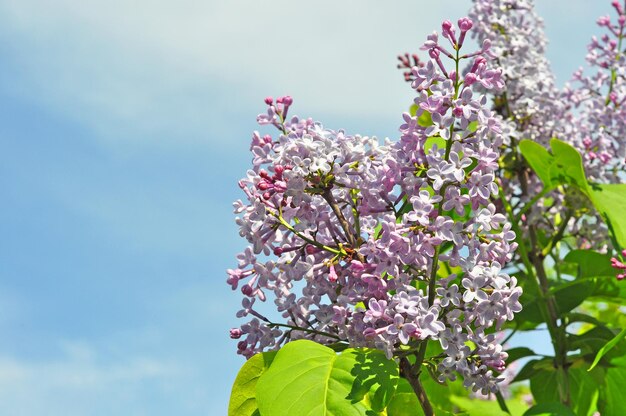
x=80 y=383
x=187 y=67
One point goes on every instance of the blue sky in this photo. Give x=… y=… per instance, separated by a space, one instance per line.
x=124 y=127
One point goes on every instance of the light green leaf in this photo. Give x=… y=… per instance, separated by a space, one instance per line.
x=549 y=409
x=562 y=166
x=404 y=402
x=612 y=343
x=425 y=119
x=433 y=141
x=610 y=201
x=243 y=394
x=488 y=407
x=567 y=166
x=539 y=159
x=310 y=379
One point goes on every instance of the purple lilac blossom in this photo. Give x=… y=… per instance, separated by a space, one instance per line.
x=355 y=241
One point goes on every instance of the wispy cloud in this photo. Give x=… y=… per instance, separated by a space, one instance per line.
x=80 y=383
x=186 y=68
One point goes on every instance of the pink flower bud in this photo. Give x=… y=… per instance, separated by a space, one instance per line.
x=269 y=100
x=465 y=24
x=470 y=78
x=312 y=249
x=618 y=7
x=332 y=274
x=448 y=31
x=264 y=186
x=236 y=333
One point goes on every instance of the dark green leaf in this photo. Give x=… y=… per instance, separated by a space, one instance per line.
x=608 y=346
x=517 y=353
x=611 y=400
x=590 y=263
x=531 y=368
x=544 y=386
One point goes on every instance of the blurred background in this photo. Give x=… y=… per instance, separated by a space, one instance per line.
x=124 y=127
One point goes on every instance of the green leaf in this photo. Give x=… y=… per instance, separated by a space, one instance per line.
x=438 y=141
x=531 y=368
x=590 y=263
x=519 y=352
x=581 y=317
x=489 y=407
x=549 y=409
x=404 y=402
x=544 y=386
x=539 y=159
x=425 y=119
x=610 y=201
x=594 y=340
x=567 y=296
x=243 y=394
x=310 y=379
x=568 y=165
x=608 y=346
x=583 y=388
x=563 y=166
x=611 y=400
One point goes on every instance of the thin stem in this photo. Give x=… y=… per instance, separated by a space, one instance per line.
x=407 y=371
x=345 y=225
x=530 y=204
x=311 y=241
x=421 y=354
x=557 y=333
x=558 y=236
x=309 y=331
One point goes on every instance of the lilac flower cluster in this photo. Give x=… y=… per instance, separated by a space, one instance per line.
x=531 y=100
x=590 y=116
x=385 y=245
x=600 y=124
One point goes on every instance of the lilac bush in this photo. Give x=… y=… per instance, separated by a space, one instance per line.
x=426 y=248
